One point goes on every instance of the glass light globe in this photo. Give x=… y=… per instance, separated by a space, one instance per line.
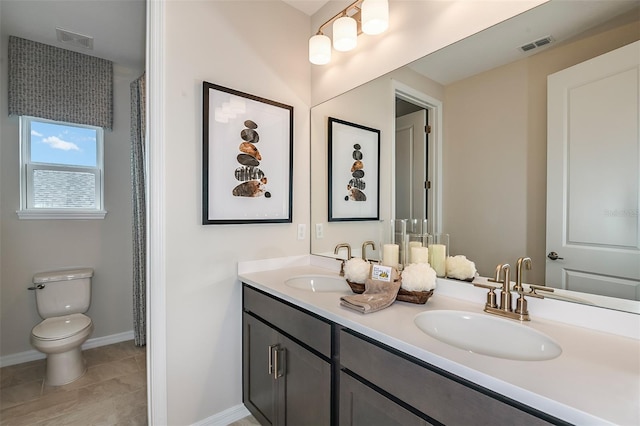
x=319 y=49
x=375 y=16
x=345 y=34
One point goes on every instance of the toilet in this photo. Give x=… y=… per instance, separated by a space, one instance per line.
x=62 y=298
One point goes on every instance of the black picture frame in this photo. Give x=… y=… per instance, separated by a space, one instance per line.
x=247 y=158
x=353 y=171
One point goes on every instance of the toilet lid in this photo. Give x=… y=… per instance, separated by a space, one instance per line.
x=61 y=327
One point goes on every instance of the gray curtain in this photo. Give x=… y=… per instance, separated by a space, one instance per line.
x=58 y=84
x=138 y=126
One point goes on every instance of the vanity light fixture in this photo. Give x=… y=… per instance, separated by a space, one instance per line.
x=362 y=16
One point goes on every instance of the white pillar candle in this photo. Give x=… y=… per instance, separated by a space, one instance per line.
x=391 y=255
x=415 y=244
x=419 y=255
x=438 y=258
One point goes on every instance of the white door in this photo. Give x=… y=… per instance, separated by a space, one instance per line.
x=411 y=166
x=593 y=178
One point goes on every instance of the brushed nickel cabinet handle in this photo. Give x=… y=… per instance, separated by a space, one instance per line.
x=270 y=369
x=277 y=365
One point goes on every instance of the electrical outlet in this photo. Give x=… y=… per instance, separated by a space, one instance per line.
x=319 y=231
x=301 y=231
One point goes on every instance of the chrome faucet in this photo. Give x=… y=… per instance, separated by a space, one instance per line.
x=337 y=249
x=364 y=249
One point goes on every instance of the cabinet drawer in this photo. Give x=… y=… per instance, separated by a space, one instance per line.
x=361 y=405
x=439 y=397
x=297 y=323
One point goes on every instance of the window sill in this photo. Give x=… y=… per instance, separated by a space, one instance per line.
x=61 y=214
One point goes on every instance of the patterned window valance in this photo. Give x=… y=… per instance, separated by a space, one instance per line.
x=58 y=84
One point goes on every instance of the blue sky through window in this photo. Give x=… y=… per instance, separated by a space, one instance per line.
x=63 y=144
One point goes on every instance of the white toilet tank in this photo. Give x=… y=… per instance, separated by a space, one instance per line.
x=63 y=292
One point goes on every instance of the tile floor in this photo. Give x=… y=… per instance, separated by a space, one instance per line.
x=246 y=421
x=112 y=391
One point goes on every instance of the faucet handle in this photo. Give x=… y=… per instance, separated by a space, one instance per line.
x=341 y=266
x=489 y=286
x=533 y=288
x=491 y=295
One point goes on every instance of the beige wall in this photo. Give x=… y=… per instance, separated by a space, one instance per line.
x=31 y=246
x=254 y=47
x=495 y=154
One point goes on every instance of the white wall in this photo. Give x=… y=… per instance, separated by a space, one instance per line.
x=31 y=246
x=254 y=47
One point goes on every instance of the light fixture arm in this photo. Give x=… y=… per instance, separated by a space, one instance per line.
x=345 y=12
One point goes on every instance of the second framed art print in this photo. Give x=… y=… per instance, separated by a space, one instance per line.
x=354 y=171
x=247 y=158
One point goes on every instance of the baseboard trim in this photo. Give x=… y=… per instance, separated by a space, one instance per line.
x=225 y=417
x=33 y=355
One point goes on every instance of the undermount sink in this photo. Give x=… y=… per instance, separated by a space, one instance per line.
x=318 y=283
x=487 y=335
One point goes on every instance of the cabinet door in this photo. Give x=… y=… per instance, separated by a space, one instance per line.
x=361 y=405
x=305 y=386
x=259 y=386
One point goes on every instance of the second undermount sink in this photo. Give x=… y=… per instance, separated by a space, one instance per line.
x=318 y=283
x=487 y=335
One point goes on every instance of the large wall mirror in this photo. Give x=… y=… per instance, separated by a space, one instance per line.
x=485 y=100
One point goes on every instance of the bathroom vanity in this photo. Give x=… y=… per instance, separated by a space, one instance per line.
x=307 y=360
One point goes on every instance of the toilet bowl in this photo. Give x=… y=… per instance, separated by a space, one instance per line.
x=61 y=338
x=62 y=298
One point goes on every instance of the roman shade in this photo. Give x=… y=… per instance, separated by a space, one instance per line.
x=58 y=84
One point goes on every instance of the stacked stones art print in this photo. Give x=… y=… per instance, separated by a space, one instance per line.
x=356 y=185
x=353 y=170
x=252 y=178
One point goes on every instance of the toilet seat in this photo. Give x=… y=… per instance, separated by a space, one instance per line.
x=57 y=328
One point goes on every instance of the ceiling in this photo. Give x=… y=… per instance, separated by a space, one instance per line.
x=500 y=44
x=117 y=26
x=309 y=7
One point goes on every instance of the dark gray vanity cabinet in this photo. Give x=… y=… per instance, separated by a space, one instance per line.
x=301 y=369
x=361 y=405
x=287 y=374
x=432 y=394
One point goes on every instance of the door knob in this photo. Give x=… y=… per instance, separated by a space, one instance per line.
x=554 y=256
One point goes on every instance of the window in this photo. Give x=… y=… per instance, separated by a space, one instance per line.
x=61 y=170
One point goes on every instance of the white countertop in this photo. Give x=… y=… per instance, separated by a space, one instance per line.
x=595 y=381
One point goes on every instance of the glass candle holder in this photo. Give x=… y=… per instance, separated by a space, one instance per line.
x=438 y=252
x=394 y=251
x=417 y=251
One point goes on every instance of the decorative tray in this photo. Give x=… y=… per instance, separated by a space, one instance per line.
x=418 y=297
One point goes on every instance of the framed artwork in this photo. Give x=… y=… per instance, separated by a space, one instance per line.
x=354 y=172
x=247 y=158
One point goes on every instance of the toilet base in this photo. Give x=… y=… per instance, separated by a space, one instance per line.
x=64 y=368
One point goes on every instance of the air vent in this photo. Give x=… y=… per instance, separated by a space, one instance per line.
x=74 y=39
x=538 y=43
